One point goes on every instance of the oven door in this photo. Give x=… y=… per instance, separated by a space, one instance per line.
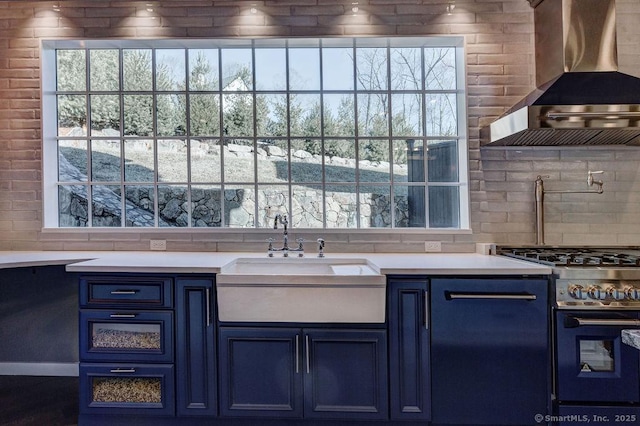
x=593 y=365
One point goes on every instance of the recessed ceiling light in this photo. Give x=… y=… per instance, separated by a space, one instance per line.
x=450 y=8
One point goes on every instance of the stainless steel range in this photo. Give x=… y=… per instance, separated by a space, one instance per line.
x=588 y=278
x=597 y=295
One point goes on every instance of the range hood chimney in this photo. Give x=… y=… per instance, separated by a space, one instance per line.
x=581 y=98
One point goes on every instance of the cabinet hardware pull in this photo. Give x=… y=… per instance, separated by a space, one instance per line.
x=572 y=322
x=496 y=296
x=124 y=370
x=208 y=306
x=123 y=315
x=297 y=353
x=124 y=292
x=426 y=309
x=307 y=351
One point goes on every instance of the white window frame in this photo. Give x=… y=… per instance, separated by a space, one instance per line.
x=49 y=129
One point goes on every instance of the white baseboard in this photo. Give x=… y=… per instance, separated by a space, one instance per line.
x=38 y=369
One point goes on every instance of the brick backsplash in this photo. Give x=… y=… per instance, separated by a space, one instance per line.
x=500 y=71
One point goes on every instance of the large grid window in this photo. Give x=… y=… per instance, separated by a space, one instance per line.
x=354 y=133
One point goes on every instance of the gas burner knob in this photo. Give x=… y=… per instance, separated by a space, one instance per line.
x=596 y=292
x=576 y=291
x=616 y=293
x=632 y=293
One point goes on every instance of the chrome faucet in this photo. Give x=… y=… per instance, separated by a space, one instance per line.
x=539 y=196
x=282 y=219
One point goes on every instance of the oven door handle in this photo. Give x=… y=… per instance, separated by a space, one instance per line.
x=450 y=295
x=573 y=322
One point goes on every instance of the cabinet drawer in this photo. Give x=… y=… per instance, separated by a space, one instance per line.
x=127 y=389
x=126 y=336
x=125 y=291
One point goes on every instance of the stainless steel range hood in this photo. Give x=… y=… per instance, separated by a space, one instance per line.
x=581 y=98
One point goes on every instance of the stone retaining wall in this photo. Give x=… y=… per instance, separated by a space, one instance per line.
x=206 y=206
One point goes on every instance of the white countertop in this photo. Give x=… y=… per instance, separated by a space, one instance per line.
x=211 y=262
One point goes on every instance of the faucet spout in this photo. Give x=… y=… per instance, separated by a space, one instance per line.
x=282 y=219
x=539 y=199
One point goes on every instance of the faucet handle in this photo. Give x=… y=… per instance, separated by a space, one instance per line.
x=320 y=247
x=591 y=181
x=300 y=248
x=270 y=248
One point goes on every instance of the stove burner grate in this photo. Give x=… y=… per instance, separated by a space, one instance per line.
x=573 y=257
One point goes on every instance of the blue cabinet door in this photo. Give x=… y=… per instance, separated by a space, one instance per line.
x=490 y=361
x=345 y=374
x=409 y=381
x=260 y=372
x=195 y=341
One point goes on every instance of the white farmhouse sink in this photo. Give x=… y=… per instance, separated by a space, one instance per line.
x=295 y=289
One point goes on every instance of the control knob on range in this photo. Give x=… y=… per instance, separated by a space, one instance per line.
x=616 y=293
x=576 y=291
x=596 y=292
x=632 y=293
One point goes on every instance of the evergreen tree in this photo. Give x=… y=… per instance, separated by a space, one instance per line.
x=204 y=108
x=72 y=109
x=237 y=108
x=276 y=126
x=138 y=109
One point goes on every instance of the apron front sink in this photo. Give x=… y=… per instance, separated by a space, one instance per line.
x=304 y=290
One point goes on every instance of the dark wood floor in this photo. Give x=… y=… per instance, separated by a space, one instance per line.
x=38 y=401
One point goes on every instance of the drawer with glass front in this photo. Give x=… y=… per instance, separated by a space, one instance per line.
x=127 y=389
x=131 y=336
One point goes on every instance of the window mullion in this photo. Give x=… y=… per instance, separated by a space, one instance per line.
x=392 y=189
x=188 y=138
x=356 y=135
x=223 y=215
x=154 y=138
x=254 y=138
x=288 y=118
x=322 y=150
x=425 y=151
x=123 y=186
x=88 y=141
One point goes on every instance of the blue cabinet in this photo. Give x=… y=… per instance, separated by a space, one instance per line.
x=461 y=351
x=345 y=374
x=195 y=347
x=126 y=345
x=490 y=359
x=409 y=365
x=260 y=372
x=311 y=373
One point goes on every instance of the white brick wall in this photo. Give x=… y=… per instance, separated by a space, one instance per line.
x=499 y=37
